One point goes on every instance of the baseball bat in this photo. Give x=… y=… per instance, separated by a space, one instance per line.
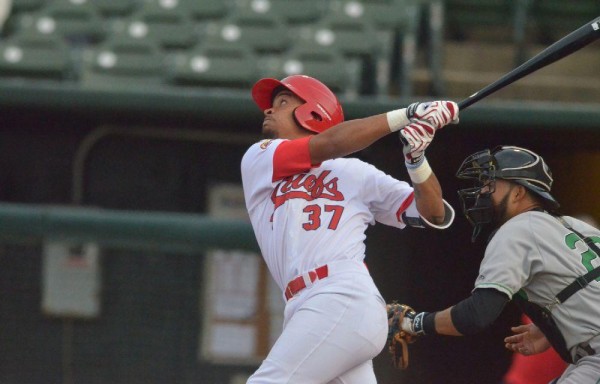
x=572 y=42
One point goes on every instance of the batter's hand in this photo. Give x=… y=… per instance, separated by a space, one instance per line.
x=415 y=138
x=437 y=113
x=528 y=340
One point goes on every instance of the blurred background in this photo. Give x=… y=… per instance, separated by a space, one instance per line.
x=125 y=251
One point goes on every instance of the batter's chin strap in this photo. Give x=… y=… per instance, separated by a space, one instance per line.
x=583 y=280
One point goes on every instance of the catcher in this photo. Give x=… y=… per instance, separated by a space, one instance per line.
x=546 y=263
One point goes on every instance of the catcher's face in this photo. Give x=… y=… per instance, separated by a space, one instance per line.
x=279 y=122
x=502 y=201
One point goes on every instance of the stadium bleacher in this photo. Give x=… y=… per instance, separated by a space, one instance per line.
x=108 y=37
x=383 y=44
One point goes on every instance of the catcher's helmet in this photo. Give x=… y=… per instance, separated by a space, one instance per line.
x=518 y=165
x=321 y=109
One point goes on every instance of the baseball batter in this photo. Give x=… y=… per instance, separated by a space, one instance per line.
x=543 y=261
x=309 y=207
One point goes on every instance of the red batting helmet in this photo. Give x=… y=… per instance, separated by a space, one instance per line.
x=321 y=109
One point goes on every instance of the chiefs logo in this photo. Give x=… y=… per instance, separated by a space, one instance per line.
x=308 y=187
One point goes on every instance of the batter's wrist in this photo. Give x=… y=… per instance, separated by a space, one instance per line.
x=397 y=119
x=419 y=172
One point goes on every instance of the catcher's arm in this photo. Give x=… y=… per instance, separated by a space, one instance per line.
x=468 y=317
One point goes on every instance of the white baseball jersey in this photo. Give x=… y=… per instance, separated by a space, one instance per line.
x=534 y=252
x=306 y=217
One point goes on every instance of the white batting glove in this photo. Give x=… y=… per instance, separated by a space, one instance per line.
x=415 y=138
x=437 y=113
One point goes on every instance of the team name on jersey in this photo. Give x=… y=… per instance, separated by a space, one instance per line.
x=307 y=187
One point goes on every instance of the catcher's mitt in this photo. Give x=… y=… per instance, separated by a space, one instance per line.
x=399 y=339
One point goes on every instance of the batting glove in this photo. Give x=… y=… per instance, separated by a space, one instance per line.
x=437 y=113
x=415 y=138
x=413 y=323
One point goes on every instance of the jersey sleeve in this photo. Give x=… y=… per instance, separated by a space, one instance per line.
x=257 y=171
x=394 y=203
x=387 y=197
x=268 y=161
x=510 y=257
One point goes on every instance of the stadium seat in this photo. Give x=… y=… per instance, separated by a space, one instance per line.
x=205 y=10
x=115 y=8
x=354 y=38
x=18 y=6
x=325 y=64
x=76 y=22
x=35 y=56
x=396 y=22
x=122 y=62
x=215 y=65
x=262 y=33
x=172 y=28
x=291 y=12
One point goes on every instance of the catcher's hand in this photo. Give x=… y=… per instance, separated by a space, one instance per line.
x=400 y=318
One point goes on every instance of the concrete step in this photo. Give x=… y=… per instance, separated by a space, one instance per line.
x=479 y=57
x=469 y=66
x=534 y=87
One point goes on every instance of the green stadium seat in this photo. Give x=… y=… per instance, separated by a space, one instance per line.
x=115 y=8
x=215 y=65
x=172 y=28
x=396 y=23
x=18 y=6
x=325 y=64
x=35 y=56
x=122 y=62
x=291 y=12
x=262 y=33
x=354 y=38
x=75 y=22
x=205 y=10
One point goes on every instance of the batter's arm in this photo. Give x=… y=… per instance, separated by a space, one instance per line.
x=348 y=137
x=428 y=198
x=355 y=135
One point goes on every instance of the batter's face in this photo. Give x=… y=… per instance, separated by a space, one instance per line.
x=279 y=122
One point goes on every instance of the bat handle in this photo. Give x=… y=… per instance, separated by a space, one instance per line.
x=463 y=104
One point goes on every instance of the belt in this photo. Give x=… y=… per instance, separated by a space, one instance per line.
x=299 y=283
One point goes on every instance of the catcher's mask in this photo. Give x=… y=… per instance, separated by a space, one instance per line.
x=518 y=165
x=321 y=109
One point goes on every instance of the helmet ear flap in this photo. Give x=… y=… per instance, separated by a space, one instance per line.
x=306 y=117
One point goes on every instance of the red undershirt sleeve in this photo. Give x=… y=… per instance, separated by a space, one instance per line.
x=291 y=157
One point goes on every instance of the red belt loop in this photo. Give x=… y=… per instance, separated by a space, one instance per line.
x=297 y=284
